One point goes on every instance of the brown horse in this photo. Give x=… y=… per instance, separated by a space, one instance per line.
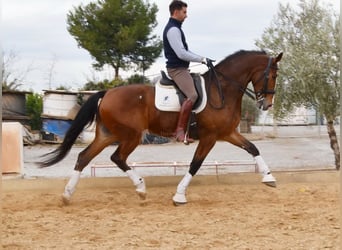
x=124 y=113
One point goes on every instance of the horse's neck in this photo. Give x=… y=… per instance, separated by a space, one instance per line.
x=234 y=77
x=239 y=72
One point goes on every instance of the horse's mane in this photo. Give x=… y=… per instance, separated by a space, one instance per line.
x=242 y=53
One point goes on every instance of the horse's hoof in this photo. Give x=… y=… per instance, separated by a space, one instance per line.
x=179 y=199
x=269 y=180
x=142 y=195
x=271 y=184
x=65 y=200
x=178 y=203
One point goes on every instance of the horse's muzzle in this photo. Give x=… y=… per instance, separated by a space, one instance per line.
x=263 y=104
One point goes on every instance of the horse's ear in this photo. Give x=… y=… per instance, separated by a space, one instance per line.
x=278 y=58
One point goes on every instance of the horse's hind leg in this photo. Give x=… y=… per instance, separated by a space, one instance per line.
x=119 y=158
x=93 y=149
x=240 y=141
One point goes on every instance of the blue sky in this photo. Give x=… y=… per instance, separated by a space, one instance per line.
x=48 y=56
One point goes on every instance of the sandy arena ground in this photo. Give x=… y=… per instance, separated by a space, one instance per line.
x=229 y=211
x=232 y=211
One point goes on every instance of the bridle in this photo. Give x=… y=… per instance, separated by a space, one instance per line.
x=260 y=95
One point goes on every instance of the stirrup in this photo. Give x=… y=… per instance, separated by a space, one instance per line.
x=186 y=140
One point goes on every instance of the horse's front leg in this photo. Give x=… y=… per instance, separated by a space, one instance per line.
x=203 y=148
x=240 y=141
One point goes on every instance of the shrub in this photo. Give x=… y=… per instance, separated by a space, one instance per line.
x=34 y=108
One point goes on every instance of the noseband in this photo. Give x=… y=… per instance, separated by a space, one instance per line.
x=261 y=94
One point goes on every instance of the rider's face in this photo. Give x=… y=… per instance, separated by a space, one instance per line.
x=181 y=14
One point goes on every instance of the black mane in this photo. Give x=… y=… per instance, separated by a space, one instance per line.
x=242 y=53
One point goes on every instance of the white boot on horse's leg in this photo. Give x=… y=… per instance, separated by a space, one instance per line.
x=138 y=182
x=269 y=180
x=141 y=189
x=66 y=197
x=71 y=187
x=262 y=168
x=179 y=198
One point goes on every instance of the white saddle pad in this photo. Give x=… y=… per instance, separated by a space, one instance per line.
x=166 y=98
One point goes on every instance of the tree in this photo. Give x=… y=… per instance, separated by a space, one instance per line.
x=103 y=85
x=310 y=69
x=136 y=78
x=117 y=33
x=62 y=87
x=12 y=79
x=249 y=113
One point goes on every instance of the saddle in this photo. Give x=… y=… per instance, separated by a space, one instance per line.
x=170 y=98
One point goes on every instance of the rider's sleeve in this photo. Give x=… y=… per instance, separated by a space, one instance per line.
x=175 y=40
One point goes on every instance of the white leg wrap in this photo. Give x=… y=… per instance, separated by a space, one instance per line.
x=179 y=197
x=183 y=185
x=261 y=165
x=268 y=179
x=137 y=180
x=72 y=183
x=264 y=170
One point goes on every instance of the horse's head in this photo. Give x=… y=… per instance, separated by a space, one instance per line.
x=264 y=83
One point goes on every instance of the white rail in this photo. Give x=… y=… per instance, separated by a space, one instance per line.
x=176 y=165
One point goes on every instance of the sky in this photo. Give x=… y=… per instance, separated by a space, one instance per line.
x=46 y=56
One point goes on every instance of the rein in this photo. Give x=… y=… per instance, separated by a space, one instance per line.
x=249 y=92
x=213 y=74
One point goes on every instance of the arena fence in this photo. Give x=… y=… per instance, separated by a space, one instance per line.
x=177 y=165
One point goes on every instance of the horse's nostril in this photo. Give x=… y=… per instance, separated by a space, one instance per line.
x=266 y=107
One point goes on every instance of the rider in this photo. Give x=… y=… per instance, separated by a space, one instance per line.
x=178 y=59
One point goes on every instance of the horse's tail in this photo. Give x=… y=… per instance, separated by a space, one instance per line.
x=85 y=116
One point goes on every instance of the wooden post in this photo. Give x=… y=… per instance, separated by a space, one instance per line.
x=12 y=150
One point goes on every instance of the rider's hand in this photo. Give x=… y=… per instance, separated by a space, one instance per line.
x=208 y=62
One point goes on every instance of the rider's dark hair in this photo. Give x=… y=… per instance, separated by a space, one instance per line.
x=176 y=5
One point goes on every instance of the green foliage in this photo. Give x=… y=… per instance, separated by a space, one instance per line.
x=117 y=33
x=34 y=108
x=136 y=78
x=107 y=84
x=249 y=110
x=310 y=70
x=62 y=87
x=103 y=85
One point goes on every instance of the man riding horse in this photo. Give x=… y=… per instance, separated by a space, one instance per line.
x=178 y=59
